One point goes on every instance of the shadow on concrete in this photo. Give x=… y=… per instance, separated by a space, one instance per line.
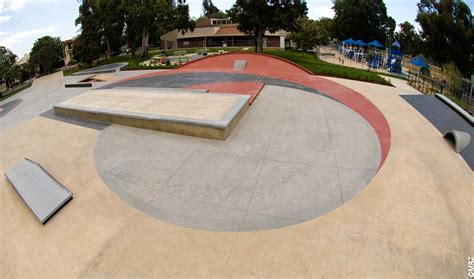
x=7 y=107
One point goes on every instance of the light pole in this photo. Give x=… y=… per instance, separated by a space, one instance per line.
x=387 y=31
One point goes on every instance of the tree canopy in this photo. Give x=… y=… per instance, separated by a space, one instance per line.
x=258 y=16
x=87 y=46
x=209 y=9
x=363 y=19
x=8 y=70
x=409 y=39
x=107 y=24
x=47 y=51
x=311 y=33
x=447 y=28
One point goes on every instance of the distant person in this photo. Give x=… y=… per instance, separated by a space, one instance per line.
x=442 y=85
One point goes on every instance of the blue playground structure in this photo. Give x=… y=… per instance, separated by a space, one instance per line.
x=373 y=53
x=395 y=59
x=375 y=59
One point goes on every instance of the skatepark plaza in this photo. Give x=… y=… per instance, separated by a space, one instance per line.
x=236 y=165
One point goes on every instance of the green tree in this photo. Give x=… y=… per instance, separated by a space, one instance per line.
x=409 y=39
x=447 y=28
x=110 y=18
x=363 y=19
x=28 y=71
x=258 y=16
x=208 y=8
x=328 y=25
x=310 y=34
x=87 y=46
x=147 y=16
x=8 y=70
x=132 y=28
x=46 y=53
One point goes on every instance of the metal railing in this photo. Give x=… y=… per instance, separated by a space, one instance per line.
x=462 y=93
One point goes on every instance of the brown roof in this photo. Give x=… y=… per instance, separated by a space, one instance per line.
x=229 y=30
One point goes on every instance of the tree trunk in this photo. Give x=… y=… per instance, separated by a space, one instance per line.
x=145 y=37
x=260 y=40
x=132 y=48
x=255 y=42
x=109 y=51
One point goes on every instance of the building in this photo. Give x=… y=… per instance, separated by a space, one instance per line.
x=23 y=60
x=218 y=32
x=67 y=51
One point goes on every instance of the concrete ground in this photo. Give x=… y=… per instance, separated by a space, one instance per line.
x=413 y=219
x=293 y=157
x=44 y=93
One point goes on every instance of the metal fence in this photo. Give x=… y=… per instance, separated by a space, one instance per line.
x=462 y=93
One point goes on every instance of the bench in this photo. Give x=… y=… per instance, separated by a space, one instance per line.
x=43 y=194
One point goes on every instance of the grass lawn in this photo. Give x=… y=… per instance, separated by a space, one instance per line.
x=319 y=67
x=458 y=101
x=133 y=64
x=15 y=91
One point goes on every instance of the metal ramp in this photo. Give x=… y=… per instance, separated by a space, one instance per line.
x=239 y=65
x=43 y=194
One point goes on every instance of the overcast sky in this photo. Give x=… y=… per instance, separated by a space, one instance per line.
x=23 y=21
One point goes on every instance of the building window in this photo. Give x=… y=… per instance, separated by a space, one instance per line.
x=221 y=21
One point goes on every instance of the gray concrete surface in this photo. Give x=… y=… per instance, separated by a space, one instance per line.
x=445 y=119
x=43 y=194
x=46 y=92
x=109 y=68
x=293 y=157
x=188 y=79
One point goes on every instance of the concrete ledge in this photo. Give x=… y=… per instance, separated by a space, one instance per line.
x=217 y=128
x=460 y=139
x=456 y=108
x=75 y=85
x=108 y=68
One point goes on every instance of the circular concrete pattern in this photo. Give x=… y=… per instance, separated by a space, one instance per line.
x=294 y=156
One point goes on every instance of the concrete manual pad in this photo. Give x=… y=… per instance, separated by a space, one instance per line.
x=239 y=65
x=281 y=165
x=109 y=68
x=41 y=192
x=182 y=112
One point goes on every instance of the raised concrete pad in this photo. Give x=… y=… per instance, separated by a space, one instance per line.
x=170 y=89
x=239 y=65
x=242 y=87
x=109 y=68
x=188 y=113
x=461 y=139
x=43 y=194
